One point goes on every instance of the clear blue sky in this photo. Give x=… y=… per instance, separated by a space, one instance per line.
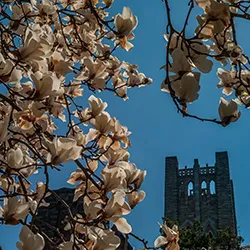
x=159 y=131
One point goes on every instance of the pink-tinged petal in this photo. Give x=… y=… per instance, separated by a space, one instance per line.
x=92 y=135
x=160 y=241
x=123 y=226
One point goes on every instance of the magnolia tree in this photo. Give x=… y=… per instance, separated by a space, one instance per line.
x=214 y=39
x=50 y=50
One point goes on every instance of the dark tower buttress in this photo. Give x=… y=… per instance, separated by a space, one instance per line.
x=171 y=188
x=225 y=197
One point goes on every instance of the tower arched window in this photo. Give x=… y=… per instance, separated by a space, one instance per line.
x=190 y=188
x=203 y=185
x=212 y=187
x=203 y=188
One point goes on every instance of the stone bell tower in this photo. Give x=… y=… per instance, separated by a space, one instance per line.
x=201 y=192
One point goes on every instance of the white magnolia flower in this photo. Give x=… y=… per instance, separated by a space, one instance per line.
x=135 y=197
x=47 y=6
x=170 y=238
x=186 y=88
x=95 y=72
x=29 y=240
x=219 y=11
x=63 y=150
x=175 y=41
x=235 y=52
x=120 y=134
x=76 y=177
x=92 y=209
x=8 y=71
x=97 y=106
x=37 y=43
x=227 y=79
x=60 y=65
x=122 y=174
x=180 y=63
x=14 y=210
x=120 y=84
x=102 y=124
x=40 y=191
x=103 y=239
x=125 y=23
x=198 y=55
x=46 y=85
x=215 y=20
x=113 y=155
x=228 y=111
x=115 y=208
x=19 y=160
x=15 y=158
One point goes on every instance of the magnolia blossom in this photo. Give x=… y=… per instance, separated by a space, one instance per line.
x=215 y=20
x=14 y=210
x=186 y=88
x=47 y=7
x=102 y=239
x=219 y=44
x=15 y=158
x=198 y=55
x=47 y=57
x=121 y=175
x=62 y=150
x=187 y=59
x=37 y=43
x=235 y=52
x=29 y=240
x=95 y=73
x=97 y=106
x=59 y=64
x=180 y=63
x=125 y=23
x=135 y=197
x=102 y=124
x=120 y=84
x=120 y=134
x=40 y=194
x=174 y=41
x=46 y=85
x=228 y=111
x=117 y=206
x=170 y=238
x=227 y=79
x=113 y=155
x=218 y=10
x=8 y=71
x=76 y=176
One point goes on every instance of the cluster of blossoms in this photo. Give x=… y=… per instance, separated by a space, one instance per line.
x=214 y=38
x=50 y=50
x=169 y=239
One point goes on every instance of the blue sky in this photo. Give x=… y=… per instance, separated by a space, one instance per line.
x=159 y=131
